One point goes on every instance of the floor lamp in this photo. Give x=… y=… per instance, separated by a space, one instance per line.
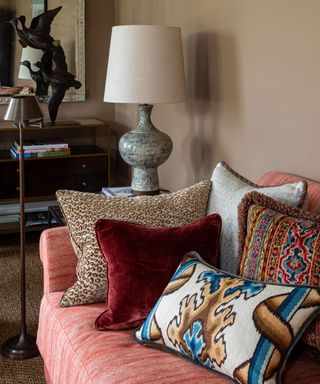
x=21 y=110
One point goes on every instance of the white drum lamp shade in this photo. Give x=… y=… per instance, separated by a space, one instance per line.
x=145 y=67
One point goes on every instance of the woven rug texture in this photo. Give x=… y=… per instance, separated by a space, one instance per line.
x=28 y=371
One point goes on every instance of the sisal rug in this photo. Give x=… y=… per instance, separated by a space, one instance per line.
x=19 y=371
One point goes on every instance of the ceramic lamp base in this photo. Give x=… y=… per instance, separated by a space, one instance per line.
x=145 y=181
x=145 y=148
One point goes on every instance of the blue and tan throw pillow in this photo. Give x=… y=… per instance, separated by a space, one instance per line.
x=228 y=188
x=241 y=328
x=280 y=244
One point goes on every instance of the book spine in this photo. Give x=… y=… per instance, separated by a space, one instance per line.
x=16 y=155
x=116 y=191
x=27 y=155
x=41 y=146
x=107 y=192
x=43 y=150
x=53 y=153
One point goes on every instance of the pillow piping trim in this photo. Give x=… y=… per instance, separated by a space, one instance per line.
x=67 y=222
x=254 y=185
x=196 y=254
x=283 y=361
x=74 y=243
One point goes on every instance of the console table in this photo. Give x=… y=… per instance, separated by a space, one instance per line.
x=87 y=168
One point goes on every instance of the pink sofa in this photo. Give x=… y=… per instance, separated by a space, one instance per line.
x=75 y=353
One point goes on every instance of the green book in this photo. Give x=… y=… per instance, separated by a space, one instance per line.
x=54 y=153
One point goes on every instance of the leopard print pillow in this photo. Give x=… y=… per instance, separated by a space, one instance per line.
x=82 y=210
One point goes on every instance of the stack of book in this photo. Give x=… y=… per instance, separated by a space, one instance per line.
x=117 y=191
x=41 y=148
x=36 y=218
x=122 y=191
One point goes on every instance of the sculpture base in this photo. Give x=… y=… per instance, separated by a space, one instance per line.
x=62 y=122
x=20 y=347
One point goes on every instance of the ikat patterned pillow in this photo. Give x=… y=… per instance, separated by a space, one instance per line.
x=280 y=244
x=240 y=328
x=228 y=188
x=82 y=210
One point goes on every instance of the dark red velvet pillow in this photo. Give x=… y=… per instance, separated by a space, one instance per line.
x=141 y=261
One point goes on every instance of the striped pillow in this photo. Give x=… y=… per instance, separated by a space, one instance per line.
x=280 y=244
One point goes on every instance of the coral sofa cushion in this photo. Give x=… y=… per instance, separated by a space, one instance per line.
x=141 y=261
x=82 y=210
x=281 y=244
x=241 y=328
x=312 y=202
x=228 y=188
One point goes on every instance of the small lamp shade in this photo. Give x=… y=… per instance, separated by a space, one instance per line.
x=145 y=65
x=23 y=108
x=32 y=55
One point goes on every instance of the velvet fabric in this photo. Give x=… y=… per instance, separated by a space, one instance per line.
x=141 y=260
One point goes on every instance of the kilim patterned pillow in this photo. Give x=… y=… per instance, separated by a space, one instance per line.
x=228 y=188
x=82 y=210
x=241 y=328
x=280 y=244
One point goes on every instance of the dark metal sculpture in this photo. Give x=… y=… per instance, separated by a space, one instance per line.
x=53 y=66
x=59 y=79
x=38 y=35
x=37 y=76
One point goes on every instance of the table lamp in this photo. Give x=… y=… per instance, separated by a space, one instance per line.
x=22 y=110
x=145 y=67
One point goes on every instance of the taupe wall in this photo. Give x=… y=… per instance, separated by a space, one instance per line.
x=253 y=74
x=99 y=21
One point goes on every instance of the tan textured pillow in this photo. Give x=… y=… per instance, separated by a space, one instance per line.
x=82 y=210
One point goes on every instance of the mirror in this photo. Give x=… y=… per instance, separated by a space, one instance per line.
x=68 y=28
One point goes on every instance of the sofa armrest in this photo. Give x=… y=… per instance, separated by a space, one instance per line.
x=58 y=259
x=313 y=193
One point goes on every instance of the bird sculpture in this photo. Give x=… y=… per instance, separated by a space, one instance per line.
x=59 y=79
x=53 y=70
x=42 y=86
x=38 y=35
x=58 y=60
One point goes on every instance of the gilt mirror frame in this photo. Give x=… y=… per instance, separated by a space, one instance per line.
x=72 y=95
